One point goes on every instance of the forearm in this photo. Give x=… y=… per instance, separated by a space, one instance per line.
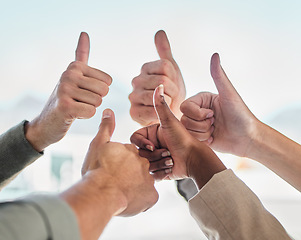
x=94 y=200
x=278 y=153
x=204 y=164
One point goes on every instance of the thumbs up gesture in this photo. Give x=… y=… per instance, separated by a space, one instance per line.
x=164 y=71
x=191 y=158
x=233 y=123
x=77 y=95
x=127 y=172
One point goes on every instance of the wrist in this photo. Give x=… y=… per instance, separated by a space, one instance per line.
x=203 y=163
x=94 y=200
x=34 y=136
x=101 y=184
x=256 y=138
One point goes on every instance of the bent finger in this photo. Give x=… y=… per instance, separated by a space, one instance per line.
x=199 y=126
x=155 y=155
x=161 y=164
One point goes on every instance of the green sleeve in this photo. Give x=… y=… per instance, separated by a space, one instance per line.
x=38 y=217
x=15 y=153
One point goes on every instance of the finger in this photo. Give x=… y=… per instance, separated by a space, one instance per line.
x=163 y=46
x=145 y=97
x=162 y=174
x=161 y=164
x=150 y=82
x=84 y=96
x=90 y=72
x=106 y=127
x=83 y=48
x=155 y=155
x=203 y=136
x=78 y=110
x=139 y=138
x=195 y=111
x=166 y=117
x=222 y=83
x=145 y=115
x=160 y=67
x=199 y=126
x=93 y=85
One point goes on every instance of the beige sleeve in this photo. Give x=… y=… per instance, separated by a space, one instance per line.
x=225 y=208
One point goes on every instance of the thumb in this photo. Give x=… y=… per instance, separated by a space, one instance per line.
x=83 y=48
x=222 y=83
x=163 y=46
x=106 y=128
x=165 y=115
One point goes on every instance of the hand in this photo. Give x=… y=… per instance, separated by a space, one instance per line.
x=127 y=170
x=164 y=71
x=191 y=157
x=233 y=123
x=77 y=95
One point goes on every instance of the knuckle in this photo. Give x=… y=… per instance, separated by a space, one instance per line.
x=132 y=97
x=136 y=81
x=147 y=98
x=206 y=136
x=144 y=67
x=201 y=114
x=67 y=75
x=184 y=120
x=165 y=65
x=134 y=113
x=162 y=79
x=64 y=88
x=64 y=104
x=207 y=125
x=184 y=107
x=75 y=65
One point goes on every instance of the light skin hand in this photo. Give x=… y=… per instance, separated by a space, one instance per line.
x=76 y=96
x=116 y=181
x=233 y=123
x=191 y=157
x=238 y=131
x=164 y=71
x=123 y=163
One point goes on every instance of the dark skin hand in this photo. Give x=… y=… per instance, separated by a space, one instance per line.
x=191 y=157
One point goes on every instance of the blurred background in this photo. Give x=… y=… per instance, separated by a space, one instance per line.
x=259 y=44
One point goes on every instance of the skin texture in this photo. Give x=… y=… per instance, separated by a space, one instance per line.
x=191 y=157
x=233 y=121
x=237 y=130
x=77 y=95
x=116 y=181
x=164 y=71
